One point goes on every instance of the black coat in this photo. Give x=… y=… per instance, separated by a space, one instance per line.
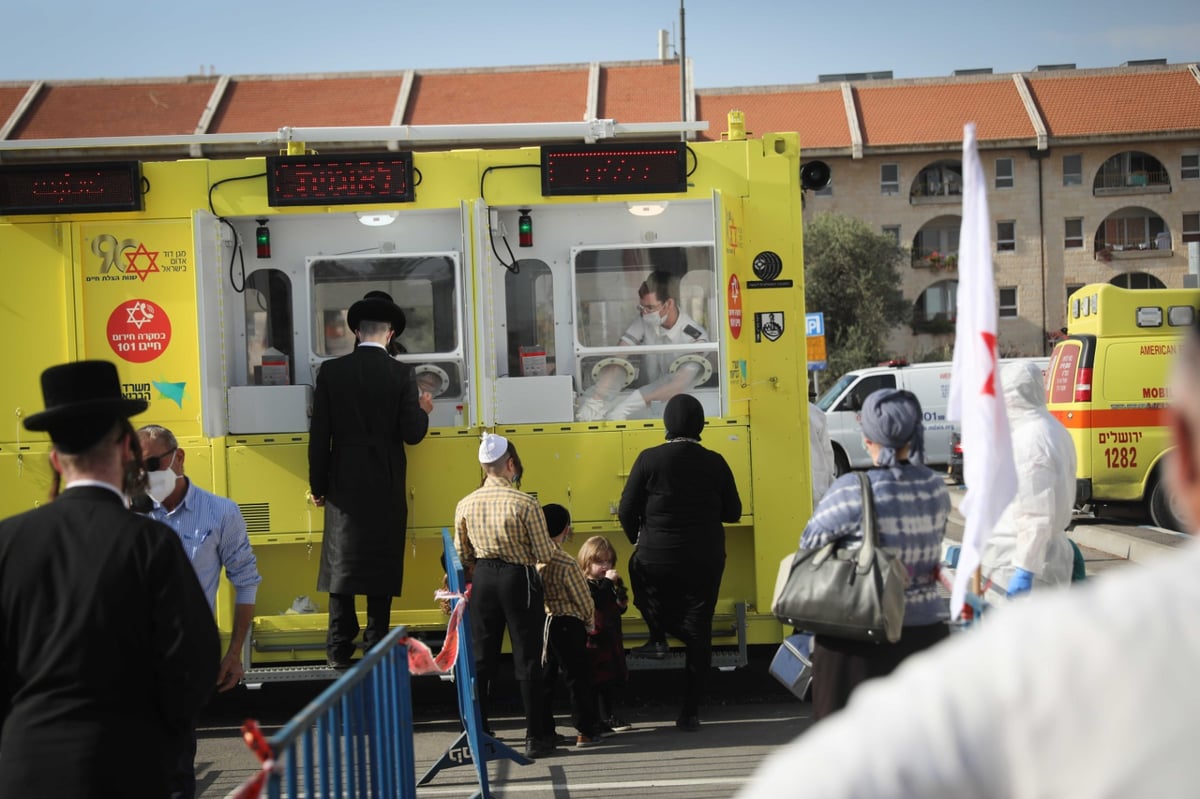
x=674 y=501
x=365 y=410
x=108 y=649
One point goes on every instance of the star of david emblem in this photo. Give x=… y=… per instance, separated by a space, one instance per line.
x=151 y=262
x=139 y=314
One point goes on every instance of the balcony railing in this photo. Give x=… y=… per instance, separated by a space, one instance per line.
x=1131 y=252
x=934 y=260
x=938 y=324
x=1136 y=182
x=922 y=195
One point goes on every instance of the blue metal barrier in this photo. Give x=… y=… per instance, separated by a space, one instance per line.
x=474 y=746
x=356 y=738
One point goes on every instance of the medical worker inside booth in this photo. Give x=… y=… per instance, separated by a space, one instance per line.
x=643 y=326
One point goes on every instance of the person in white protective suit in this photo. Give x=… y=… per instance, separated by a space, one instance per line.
x=821 y=449
x=1088 y=692
x=660 y=321
x=1028 y=547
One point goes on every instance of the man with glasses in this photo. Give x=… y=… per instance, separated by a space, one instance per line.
x=660 y=321
x=213 y=534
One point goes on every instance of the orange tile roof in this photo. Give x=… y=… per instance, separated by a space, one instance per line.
x=263 y=105
x=819 y=116
x=1106 y=104
x=115 y=109
x=10 y=97
x=925 y=112
x=643 y=93
x=461 y=98
x=935 y=112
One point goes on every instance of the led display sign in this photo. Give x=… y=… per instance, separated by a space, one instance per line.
x=339 y=179
x=58 y=188
x=649 y=168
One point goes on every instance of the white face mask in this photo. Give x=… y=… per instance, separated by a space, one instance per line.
x=655 y=321
x=160 y=484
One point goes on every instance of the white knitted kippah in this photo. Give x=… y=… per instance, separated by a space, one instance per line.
x=492 y=447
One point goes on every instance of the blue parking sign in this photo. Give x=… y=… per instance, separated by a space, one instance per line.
x=814 y=324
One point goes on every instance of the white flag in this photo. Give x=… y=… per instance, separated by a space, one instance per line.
x=976 y=397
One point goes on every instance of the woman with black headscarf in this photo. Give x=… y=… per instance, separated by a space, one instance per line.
x=911 y=508
x=674 y=502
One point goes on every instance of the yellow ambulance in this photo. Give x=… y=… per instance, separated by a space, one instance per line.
x=220 y=286
x=1107 y=384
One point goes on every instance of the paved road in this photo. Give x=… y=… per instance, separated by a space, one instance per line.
x=749 y=716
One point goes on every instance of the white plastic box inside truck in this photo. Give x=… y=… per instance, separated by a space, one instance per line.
x=930 y=382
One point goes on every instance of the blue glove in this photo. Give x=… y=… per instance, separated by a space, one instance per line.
x=1020 y=582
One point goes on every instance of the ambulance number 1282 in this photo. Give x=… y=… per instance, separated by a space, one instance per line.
x=1121 y=457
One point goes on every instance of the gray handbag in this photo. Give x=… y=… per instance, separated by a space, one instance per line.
x=857 y=594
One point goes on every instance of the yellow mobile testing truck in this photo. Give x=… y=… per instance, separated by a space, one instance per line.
x=1108 y=382
x=220 y=287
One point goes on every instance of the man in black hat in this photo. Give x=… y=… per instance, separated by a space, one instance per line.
x=107 y=645
x=366 y=407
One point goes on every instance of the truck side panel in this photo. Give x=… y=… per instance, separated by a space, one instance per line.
x=225 y=344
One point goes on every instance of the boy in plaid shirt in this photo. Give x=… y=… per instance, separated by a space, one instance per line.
x=570 y=614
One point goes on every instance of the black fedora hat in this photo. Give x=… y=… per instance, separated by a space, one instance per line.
x=83 y=399
x=376 y=306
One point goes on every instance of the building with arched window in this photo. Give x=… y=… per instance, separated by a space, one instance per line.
x=1092 y=175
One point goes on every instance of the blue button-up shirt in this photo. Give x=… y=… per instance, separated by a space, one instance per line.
x=213 y=534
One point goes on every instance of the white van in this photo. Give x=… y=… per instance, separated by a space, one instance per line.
x=930 y=382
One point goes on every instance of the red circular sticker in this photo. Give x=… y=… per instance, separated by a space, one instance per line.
x=139 y=331
x=734 y=304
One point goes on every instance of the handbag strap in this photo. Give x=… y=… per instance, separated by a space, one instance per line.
x=870 y=535
x=866 y=553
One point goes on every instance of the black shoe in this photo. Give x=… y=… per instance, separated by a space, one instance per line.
x=535 y=748
x=337 y=664
x=688 y=723
x=651 y=649
x=554 y=739
x=616 y=724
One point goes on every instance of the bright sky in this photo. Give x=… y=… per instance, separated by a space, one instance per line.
x=739 y=43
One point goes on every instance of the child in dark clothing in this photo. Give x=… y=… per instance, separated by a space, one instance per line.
x=605 y=645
